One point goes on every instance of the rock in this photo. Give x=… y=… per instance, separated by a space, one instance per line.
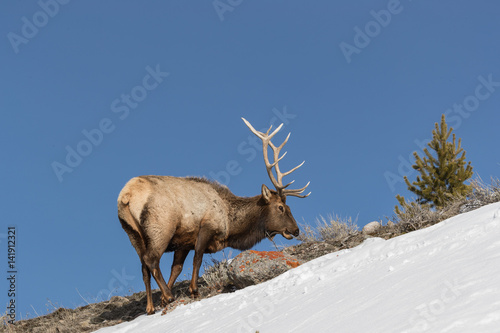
x=85 y=325
x=371 y=228
x=120 y=300
x=253 y=267
x=390 y=224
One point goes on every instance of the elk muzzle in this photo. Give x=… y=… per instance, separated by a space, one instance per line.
x=289 y=235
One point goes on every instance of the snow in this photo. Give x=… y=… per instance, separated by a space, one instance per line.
x=445 y=278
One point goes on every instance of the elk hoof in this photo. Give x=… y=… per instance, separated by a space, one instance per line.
x=166 y=300
x=195 y=294
x=150 y=311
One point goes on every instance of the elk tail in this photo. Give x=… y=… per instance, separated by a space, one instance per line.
x=130 y=224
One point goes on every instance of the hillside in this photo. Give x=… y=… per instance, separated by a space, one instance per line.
x=440 y=279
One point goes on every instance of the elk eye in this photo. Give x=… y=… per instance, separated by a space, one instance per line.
x=281 y=208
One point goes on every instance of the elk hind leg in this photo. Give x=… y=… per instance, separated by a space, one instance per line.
x=152 y=261
x=146 y=276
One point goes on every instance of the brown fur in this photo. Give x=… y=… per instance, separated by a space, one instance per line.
x=169 y=214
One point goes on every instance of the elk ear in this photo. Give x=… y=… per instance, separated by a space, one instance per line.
x=266 y=194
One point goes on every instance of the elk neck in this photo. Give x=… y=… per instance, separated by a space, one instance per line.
x=246 y=222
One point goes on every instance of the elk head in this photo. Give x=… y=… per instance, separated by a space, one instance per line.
x=278 y=216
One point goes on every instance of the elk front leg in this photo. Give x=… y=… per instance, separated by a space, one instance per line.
x=204 y=238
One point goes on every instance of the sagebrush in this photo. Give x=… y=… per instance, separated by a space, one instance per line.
x=331 y=228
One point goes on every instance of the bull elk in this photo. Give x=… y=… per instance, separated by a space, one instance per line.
x=170 y=214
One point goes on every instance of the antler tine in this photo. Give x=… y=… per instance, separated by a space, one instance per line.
x=275 y=131
x=284 y=142
x=297 y=193
x=298 y=166
x=279 y=159
x=254 y=131
x=278 y=180
x=269 y=130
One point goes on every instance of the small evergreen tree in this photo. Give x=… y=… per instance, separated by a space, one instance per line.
x=442 y=175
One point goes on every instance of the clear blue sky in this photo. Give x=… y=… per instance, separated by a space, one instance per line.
x=359 y=85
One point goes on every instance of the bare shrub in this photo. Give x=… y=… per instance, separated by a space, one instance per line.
x=330 y=228
x=482 y=193
x=414 y=216
x=216 y=275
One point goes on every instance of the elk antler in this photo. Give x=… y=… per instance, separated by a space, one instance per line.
x=278 y=180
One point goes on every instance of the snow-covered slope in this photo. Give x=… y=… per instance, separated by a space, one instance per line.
x=445 y=278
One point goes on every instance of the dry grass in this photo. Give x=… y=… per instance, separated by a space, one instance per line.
x=215 y=275
x=328 y=229
x=484 y=194
x=414 y=216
